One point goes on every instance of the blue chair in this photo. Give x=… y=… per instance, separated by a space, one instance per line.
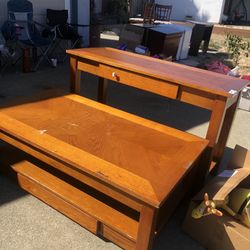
x=20 y=16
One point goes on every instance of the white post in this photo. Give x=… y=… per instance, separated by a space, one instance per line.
x=83 y=13
x=68 y=7
x=222 y=9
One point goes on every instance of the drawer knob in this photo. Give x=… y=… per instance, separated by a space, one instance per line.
x=114 y=75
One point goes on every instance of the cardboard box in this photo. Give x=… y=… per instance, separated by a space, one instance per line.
x=224 y=232
x=244 y=102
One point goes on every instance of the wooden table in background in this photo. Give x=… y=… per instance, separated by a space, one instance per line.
x=129 y=173
x=215 y=92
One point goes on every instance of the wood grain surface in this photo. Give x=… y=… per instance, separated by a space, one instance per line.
x=81 y=201
x=209 y=90
x=135 y=155
x=176 y=73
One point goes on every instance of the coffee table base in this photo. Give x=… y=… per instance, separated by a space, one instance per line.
x=97 y=212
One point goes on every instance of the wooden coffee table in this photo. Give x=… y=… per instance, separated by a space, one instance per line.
x=130 y=172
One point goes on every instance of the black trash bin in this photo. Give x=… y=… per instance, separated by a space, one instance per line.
x=201 y=32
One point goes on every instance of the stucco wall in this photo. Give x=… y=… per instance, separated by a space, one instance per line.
x=201 y=10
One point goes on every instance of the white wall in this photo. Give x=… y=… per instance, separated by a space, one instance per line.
x=68 y=7
x=201 y=10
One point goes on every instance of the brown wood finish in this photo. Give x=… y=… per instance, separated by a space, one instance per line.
x=102 y=90
x=147 y=227
x=38 y=125
x=138 y=81
x=168 y=71
x=225 y=130
x=77 y=205
x=95 y=183
x=58 y=203
x=216 y=121
x=133 y=160
x=196 y=97
x=73 y=69
x=117 y=238
x=205 y=89
x=77 y=88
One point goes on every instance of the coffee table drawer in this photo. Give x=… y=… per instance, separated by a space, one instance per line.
x=104 y=219
x=139 y=81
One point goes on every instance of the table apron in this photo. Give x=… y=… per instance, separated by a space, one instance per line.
x=183 y=93
x=93 y=182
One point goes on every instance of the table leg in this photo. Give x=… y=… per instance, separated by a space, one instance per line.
x=226 y=127
x=102 y=90
x=203 y=169
x=214 y=128
x=216 y=121
x=26 y=60
x=77 y=82
x=146 y=230
x=73 y=70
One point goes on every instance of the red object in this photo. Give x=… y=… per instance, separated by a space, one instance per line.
x=219 y=67
x=246 y=77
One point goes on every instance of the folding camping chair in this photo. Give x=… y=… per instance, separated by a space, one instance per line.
x=7 y=55
x=57 y=20
x=20 y=15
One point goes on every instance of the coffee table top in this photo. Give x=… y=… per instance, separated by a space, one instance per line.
x=140 y=157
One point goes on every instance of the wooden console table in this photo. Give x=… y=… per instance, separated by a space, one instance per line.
x=216 y=92
x=130 y=172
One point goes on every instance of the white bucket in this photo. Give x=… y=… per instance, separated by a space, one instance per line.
x=54 y=62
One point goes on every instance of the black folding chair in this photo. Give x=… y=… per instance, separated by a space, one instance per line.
x=57 y=20
x=20 y=16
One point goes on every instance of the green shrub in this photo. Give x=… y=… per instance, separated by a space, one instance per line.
x=236 y=46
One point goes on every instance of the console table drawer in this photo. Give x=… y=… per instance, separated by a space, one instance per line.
x=139 y=81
